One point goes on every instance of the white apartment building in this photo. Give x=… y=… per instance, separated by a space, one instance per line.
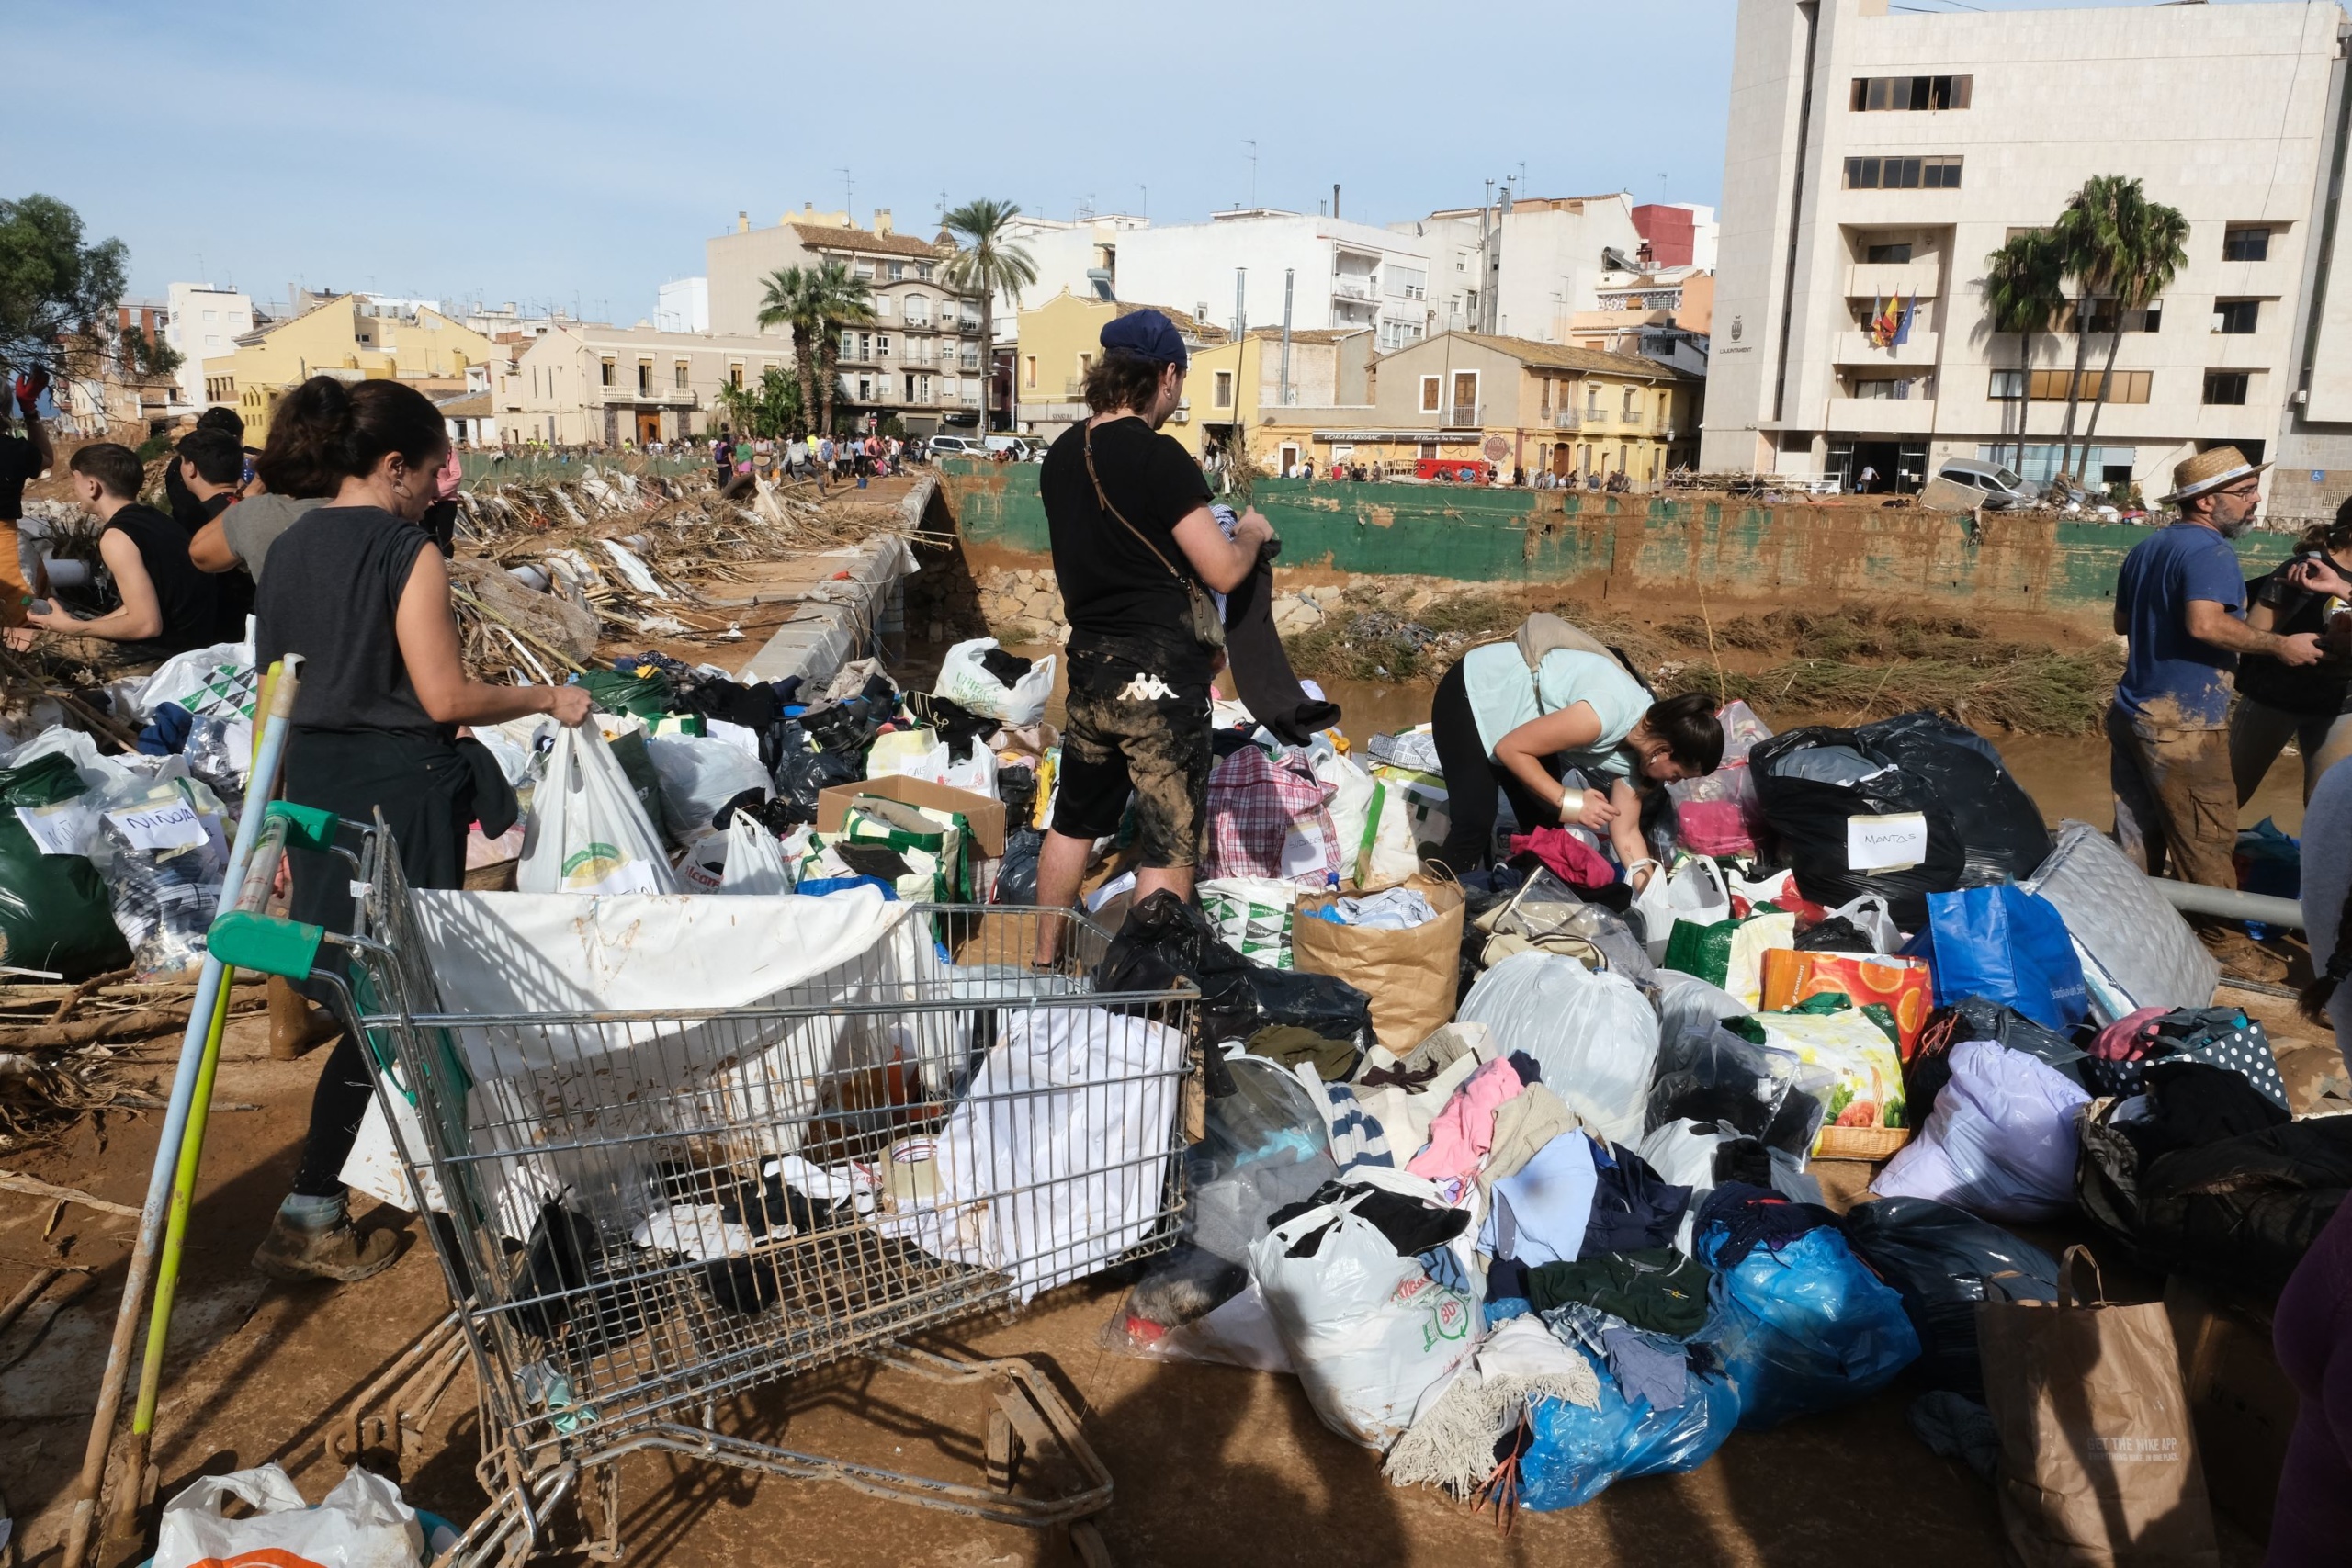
x=918 y=359
x=683 y=305
x=578 y=384
x=1875 y=156
x=1526 y=265
x=203 y=322
x=1080 y=255
x=1342 y=274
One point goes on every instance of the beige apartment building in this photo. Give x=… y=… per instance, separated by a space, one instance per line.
x=1876 y=155
x=921 y=356
x=581 y=384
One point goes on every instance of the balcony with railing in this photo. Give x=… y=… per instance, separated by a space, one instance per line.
x=1462 y=415
x=1891 y=280
x=1352 y=287
x=1571 y=419
x=1856 y=348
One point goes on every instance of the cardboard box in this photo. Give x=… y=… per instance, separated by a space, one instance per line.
x=2242 y=1403
x=985 y=816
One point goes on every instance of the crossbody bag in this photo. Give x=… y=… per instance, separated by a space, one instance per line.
x=1208 y=627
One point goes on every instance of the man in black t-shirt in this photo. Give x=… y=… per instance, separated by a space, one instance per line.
x=1136 y=551
x=22 y=458
x=212 y=468
x=167 y=605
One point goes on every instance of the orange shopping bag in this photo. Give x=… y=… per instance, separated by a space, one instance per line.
x=1902 y=985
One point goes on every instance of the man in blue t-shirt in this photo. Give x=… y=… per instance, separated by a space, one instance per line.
x=2180 y=601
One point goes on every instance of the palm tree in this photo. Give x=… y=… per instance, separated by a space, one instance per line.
x=2024 y=289
x=2152 y=246
x=988 y=262
x=2091 y=233
x=790 y=300
x=836 y=297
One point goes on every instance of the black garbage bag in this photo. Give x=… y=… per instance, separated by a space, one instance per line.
x=1942 y=1261
x=1016 y=875
x=1977 y=1018
x=1810 y=782
x=800 y=774
x=563 y=1290
x=1999 y=824
x=1165 y=940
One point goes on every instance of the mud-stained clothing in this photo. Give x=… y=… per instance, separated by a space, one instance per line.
x=2172 y=678
x=1130 y=729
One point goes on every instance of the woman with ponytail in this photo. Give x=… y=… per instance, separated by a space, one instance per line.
x=358 y=590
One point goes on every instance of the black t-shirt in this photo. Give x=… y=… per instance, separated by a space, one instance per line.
x=2312 y=689
x=333 y=596
x=17 y=464
x=1120 y=597
x=234 y=587
x=184 y=595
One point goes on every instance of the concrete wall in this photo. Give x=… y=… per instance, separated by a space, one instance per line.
x=1633 y=545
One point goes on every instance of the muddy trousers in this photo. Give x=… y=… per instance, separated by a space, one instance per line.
x=2176 y=799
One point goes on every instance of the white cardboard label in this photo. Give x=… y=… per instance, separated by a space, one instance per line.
x=60 y=829
x=1886 y=844
x=1303 y=853
x=170 y=827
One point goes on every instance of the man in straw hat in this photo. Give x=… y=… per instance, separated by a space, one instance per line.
x=2180 y=601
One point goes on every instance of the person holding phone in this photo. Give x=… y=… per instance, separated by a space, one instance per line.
x=2306 y=704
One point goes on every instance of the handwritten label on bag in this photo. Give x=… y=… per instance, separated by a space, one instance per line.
x=170 y=827
x=1303 y=853
x=1886 y=844
x=59 y=829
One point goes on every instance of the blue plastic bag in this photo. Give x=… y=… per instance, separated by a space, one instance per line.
x=2007 y=945
x=1804 y=1329
x=1578 y=1453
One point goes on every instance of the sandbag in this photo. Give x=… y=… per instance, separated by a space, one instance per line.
x=362 y=1523
x=587 y=832
x=1803 y=1330
x=2000 y=827
x=1813 y=783
x=2009 y=946
x=1580 y=1453
x=1943 y=1261
x=699 y=776
x=54 y=911
x=2001 y=1143
x=1592 y=1032
x=966 y=683
x=1369 y=1331
x=2133 y=941
x=1409 y=974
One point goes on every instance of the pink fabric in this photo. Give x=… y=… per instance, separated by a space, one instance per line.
x=1254 y=802
x=2126 y=1040
x=1464 y=1130
x=1571 y=858
x=452 y=475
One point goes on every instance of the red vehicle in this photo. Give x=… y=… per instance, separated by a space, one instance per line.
x=1454 y=470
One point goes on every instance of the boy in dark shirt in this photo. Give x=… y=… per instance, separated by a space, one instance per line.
x=167 y=606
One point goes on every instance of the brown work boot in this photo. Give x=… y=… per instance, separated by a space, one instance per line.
x=294 y=1024
x=296 y=1253
x=2240 y=956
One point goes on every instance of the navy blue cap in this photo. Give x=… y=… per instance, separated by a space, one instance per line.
x=1146 y=334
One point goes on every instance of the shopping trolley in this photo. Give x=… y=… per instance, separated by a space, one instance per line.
x=651 y=1211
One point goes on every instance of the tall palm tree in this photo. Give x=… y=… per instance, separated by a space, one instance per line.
x=838 y=299
x=2024 y=289
x=790 y=300
x=2089 y=231
x=2152 y=246
x=987 y=262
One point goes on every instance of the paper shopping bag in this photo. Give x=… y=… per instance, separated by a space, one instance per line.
x=2098 y=1457
x=1411 y=975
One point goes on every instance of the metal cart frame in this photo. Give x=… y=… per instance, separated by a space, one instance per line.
x=650 y=1212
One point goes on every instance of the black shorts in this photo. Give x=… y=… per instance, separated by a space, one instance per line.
x=1130 y=732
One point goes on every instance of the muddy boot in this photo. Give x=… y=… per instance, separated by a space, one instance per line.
x=294 y=1024
x=313 y=1238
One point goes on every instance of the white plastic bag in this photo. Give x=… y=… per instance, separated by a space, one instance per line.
x=1369 y=1331
x=754 y=860
x=1870 y=916
x=1373 y=820
x=587 y=832
x=361 y=1524
x=700 y=775
x=965 y=681
x=1251 y=914
x=1592 y=1031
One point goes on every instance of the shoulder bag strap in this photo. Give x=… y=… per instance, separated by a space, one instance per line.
x=1086 y=443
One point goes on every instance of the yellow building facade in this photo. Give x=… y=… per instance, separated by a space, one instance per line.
x=1060 y=340
x=340 y=337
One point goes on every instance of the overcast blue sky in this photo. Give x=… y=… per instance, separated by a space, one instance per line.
x=579 y=152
